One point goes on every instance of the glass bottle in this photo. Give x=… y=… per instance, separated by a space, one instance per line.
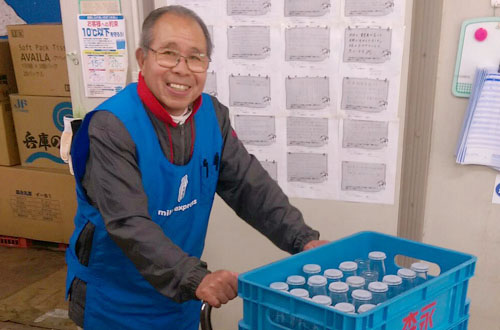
x=361 y=297
x=338 y=292
x=333 y=275
x=377 y=263
x=280 y=286
x=311 y=269
x=379 y=292
x=355 y=283
x=322 y=300
x=276 y=316
x=365 y=307
x=345 y=307
x=421 y=269
x=348 y=268
x=408 y=277
x=296 y=282
x=316 y=285
x=394 y=283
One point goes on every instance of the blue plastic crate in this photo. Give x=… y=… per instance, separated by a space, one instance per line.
x=442 y=299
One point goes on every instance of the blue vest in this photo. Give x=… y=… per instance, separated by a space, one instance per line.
x=180 y=199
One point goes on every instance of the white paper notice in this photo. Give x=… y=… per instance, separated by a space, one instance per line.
x=367 y=45
x=255 y=130
x=307 y=132
x=104 y=54
x=307 y=167
x=361 y=94
x=368 y=7
x=307 y=44
x=365 y=134
x=248 y=7
x=248 y=42
x=249 y=91
x=366 y=177
x=309 y=8
x=310 y=93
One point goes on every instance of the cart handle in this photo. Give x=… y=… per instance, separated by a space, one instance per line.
x=205 y=320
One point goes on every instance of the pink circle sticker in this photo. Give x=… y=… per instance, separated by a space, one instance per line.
x=481 y=34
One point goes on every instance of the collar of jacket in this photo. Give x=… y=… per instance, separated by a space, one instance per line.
x=152 y=103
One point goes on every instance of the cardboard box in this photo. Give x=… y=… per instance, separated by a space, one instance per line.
x=7 y=78
x=37 y=204
x=9 y=155
x=39 y=59
x=38 y=121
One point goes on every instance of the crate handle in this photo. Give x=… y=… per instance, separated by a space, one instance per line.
x=205 y=319
x=403 y=261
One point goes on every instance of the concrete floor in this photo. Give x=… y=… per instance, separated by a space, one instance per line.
x=32 y=289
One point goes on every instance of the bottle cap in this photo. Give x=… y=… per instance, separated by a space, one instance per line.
x=420 y=267
x=316 y=280
x=378 y=287
x=333 y=274
x=365 y=307
x=406 y=273
x=392 y=280
x=361 y=295
x=345 y=307
x=338 y=287
x=282 y=286
x=302 y=293
x=377 y=255
x=355 y=281
x=322 y=300
x=311 y=269
x=348 y=266
x=295 y=280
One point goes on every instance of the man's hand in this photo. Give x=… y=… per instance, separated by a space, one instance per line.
x=314 y=243
x=218 y=288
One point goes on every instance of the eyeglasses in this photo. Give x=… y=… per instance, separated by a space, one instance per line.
x=169 y=58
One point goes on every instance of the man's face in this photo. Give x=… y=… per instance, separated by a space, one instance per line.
x=176 y=87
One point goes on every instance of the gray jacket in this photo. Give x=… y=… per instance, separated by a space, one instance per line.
x=113 y=184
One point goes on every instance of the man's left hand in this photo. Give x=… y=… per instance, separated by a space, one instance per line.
x=315 y=243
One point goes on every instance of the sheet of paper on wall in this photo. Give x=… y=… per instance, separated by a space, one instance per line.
x=307 y=44
x=248 y=42
x=104 y=54
x=479 y=141
x=363 y=94
x=256 y=130
x=99 y=7
x=310 y=8
x=249 y=91
x=307 y=132
x=248 y=7
x=310 y=93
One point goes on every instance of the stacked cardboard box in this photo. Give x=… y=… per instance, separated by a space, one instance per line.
x=37 y=199
x=39 y=60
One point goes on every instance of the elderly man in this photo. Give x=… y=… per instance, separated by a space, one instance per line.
x=148 y=162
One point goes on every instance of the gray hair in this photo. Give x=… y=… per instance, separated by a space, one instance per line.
x=150 y=21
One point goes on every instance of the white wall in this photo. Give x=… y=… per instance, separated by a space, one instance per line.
x=459 y=213
x=232 y=244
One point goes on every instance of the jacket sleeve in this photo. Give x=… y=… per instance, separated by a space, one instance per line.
x=113 y=183
x=249 y=190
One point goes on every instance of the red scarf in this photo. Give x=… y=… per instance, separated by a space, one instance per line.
x=152 y=103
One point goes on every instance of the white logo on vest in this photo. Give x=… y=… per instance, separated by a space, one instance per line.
x=182 y=188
